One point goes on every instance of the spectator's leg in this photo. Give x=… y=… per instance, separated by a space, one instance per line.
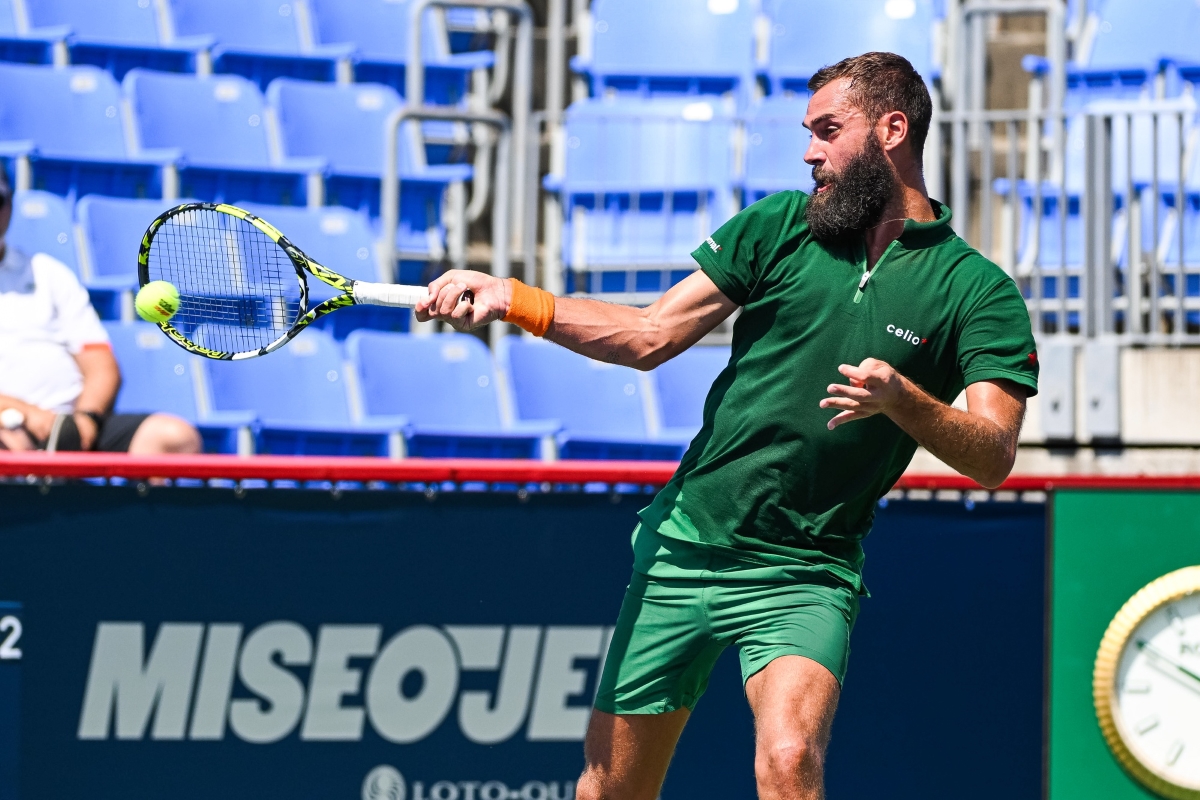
x=164 y=433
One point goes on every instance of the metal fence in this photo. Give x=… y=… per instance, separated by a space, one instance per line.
x=1095 y=214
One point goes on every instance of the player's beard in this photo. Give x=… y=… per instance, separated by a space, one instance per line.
x=856 y=197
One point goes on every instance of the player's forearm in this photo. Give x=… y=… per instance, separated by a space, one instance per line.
x=973 y=445
x=608 y=332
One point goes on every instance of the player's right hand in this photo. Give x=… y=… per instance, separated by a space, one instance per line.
x=446 y=303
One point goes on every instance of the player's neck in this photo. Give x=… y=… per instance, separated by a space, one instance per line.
x=909 y=202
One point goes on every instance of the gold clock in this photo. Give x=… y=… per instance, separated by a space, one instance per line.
x=1146 y=685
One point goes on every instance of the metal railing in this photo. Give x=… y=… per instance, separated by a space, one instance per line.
x=1098 y=231
x=522 y=92
x=389 y=200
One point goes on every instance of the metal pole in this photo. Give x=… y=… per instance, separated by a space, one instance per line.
x=1181 y=200
x=389 y=197
x=959 y=176
x=556 y=59
x=1097 y=217
x=1089 y=214
x=1155 y=326
x=529 y=240
x=556 y=65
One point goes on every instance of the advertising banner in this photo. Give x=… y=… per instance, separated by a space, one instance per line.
x=384 y=645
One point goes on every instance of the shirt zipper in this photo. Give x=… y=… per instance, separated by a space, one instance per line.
x=866 y=276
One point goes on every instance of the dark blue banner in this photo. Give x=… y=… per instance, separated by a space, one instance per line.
x=195 y=643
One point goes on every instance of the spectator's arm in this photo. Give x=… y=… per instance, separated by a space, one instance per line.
x=101 y=379
x=20 y=405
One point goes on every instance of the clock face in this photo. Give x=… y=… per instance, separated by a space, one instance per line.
x=1156 y=707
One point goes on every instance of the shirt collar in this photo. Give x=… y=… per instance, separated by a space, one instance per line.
x=16 y=271
x=926 y=234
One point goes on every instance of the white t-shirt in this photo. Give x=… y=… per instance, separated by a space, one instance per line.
x=45 y=319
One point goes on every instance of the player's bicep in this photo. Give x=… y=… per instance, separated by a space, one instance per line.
x=690 y=309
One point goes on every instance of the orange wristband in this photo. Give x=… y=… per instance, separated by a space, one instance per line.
x=531 y=309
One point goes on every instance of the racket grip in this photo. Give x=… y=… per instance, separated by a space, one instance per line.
x=388 y=294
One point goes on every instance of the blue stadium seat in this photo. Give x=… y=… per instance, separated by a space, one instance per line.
x=671 y=47
x=41 y=223
x=68 y=123
x=260 y=39
x=600 y=407
x=379 y=31
x=299 y=395
x=342 y=240
x=118 y=35
x=1131 y=37
x=24 y=45
x=807 y=36
x=646 y=181
x=468 y=29
x=683 y=383
x=344 y=123
x=112 y=230
x=452 y=407
x=776 y=141
x=157 y=376
x=218 y=125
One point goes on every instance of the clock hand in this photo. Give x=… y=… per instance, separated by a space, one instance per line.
x=1146 y=647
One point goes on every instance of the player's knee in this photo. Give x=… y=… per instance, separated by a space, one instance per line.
x=165 y=433
x=787 y=761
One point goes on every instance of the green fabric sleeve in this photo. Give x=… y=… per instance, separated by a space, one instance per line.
x=997 y=339
x=741 y=249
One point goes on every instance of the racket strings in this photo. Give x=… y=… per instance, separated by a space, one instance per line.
x=238 y=289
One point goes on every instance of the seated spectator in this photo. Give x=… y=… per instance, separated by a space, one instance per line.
x=58 y=377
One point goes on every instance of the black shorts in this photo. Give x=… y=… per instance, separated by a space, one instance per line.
x=114 y=435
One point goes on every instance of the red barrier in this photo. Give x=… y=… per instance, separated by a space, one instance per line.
x=309 y=468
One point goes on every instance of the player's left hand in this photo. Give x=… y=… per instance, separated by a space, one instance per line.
x=875 y=387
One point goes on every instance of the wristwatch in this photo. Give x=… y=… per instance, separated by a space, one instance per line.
x=11 y=419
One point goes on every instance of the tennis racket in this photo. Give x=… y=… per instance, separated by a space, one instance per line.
x=243 y=287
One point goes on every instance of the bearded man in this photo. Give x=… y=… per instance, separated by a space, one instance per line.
x=863 y=317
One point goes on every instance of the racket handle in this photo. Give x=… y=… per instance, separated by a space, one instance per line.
x=388 y=294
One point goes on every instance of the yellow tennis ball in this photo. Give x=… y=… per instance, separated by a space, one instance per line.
x=157 y=301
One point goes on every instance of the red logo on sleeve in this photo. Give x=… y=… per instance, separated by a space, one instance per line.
x=1032 y=358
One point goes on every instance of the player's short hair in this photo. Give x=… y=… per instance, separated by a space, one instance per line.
x=881 y=83
x=5 y=190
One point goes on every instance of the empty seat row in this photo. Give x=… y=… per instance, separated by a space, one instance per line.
x=217 y=139
x=435 y=396
x=647 y=179
x=1125 y=43
x=258 y=39
x=730 y=46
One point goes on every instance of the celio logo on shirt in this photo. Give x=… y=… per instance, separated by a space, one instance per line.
x=906 y=335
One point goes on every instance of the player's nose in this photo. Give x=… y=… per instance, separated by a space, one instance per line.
x=813 y=156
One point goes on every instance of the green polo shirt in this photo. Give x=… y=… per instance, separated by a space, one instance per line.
x=766 y=491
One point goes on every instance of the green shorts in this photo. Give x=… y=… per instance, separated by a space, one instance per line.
x=670 y=633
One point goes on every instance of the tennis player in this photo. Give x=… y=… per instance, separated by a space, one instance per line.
x=863 y=317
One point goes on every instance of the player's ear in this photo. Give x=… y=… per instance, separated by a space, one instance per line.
x=892 y=129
